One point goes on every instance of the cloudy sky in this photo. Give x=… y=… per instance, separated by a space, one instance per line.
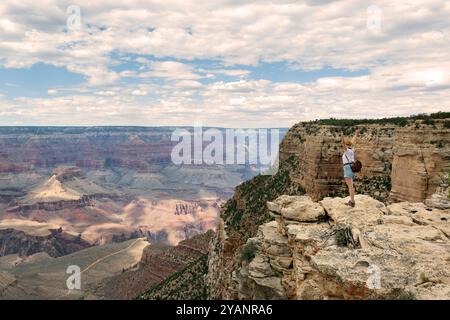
x=222 y=63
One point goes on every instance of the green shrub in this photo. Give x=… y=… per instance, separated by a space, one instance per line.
x=400 y=121
x=428 y=122
x=248 y=251
x=187 y=284
x=400 y=294
x=343 y=237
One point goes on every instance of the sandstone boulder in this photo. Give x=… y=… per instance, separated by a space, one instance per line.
x=367 y=210
x=421 y=214
x=441 y=198
x=297 y=208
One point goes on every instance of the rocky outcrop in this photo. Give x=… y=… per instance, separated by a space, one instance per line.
x=372 y=251
x=185 y=208
x=82 y=202
x=152 y=237
x=57 y=243
x=63 y=174
x=310 y=162
x=9 y=287
x=440 y=199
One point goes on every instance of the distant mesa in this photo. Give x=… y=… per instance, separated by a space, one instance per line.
x=66 y=188
x=57 y=243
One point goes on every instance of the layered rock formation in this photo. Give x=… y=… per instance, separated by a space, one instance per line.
x=67 y=188
x=86 y=146
x=327 y=250
x=8 y=166
x=421 y=157
x=317 y=150
x=157 y=263
x=9 y=287
x=57 y=243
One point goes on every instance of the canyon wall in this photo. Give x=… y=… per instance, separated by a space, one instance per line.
x=400 y=163
x=94 y=147
x=421 y=156
x=159 y=264
x=318 y=151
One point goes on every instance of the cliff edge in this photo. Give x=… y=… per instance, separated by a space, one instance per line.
x=313 y=246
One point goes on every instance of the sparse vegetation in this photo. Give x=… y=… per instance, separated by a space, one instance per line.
x=187 y=284
x=85 y=294
x=400 y=294
x=255 y=193
x=428 y=122
x=399 y=121
x=343 y=236
x=248 y=251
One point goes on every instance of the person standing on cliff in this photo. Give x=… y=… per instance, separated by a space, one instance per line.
x=348 y=158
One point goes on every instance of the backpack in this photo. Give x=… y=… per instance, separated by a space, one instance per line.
x=355 y=166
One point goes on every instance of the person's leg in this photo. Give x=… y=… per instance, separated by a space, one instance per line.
x=351 y=189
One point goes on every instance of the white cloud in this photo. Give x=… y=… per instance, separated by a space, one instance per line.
x=138 y=92
x=171 y=70
x=233 y=72
x=187 y=84
x=109 y=93
x=407 y=58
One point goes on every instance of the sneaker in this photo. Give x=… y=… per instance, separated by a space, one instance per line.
x=350 y=204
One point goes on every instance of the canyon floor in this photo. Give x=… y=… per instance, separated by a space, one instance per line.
x=42 y=277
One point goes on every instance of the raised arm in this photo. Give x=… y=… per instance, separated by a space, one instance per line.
x=354 y=137
x=343 y=141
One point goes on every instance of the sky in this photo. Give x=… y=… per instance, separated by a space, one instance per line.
x=224 y=63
